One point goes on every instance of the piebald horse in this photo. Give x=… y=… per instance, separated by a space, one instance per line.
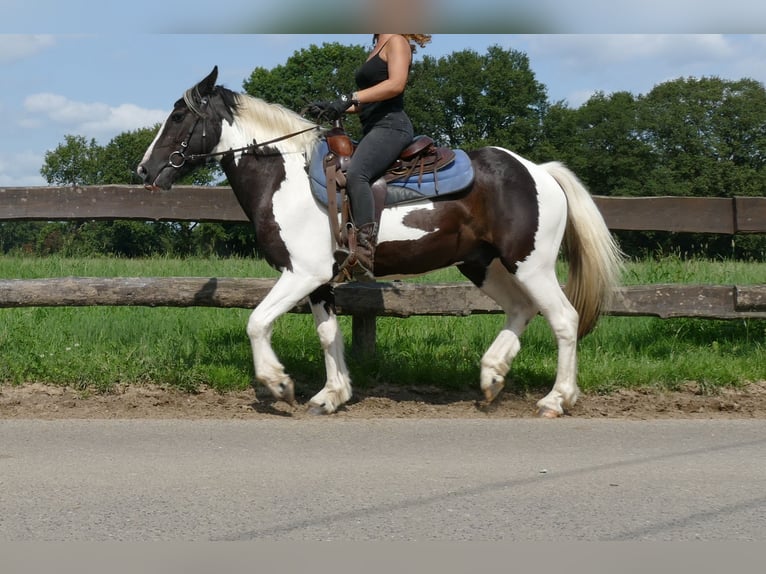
x=503 y=231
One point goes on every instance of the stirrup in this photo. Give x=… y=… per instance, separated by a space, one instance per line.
x=351 y=269
x=346 y=258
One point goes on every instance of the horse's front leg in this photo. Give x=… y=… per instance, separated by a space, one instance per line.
x=269 y=371
x=337 y=389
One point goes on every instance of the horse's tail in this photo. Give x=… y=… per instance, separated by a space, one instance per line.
x=595 y=259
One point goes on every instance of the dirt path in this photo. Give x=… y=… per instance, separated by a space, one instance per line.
x=52 y=402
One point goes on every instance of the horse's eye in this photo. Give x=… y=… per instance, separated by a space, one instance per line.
x=177 y=116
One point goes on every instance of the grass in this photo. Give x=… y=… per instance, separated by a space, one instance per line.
x=99 y=347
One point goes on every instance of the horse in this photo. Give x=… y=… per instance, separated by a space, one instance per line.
x=504 y=231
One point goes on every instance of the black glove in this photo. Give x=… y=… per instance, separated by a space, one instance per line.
x=330 y=110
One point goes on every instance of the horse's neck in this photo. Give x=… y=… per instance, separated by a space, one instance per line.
x=237 y=135
x=256 y=175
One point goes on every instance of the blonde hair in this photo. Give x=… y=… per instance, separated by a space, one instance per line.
x=419 y=39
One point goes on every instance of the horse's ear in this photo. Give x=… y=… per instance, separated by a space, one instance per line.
x=206 y=86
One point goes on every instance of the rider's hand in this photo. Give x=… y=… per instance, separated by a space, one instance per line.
x=330 y=110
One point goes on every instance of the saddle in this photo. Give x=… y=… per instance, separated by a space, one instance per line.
x=420 y=159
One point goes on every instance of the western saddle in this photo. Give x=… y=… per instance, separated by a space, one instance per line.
x=420 y=157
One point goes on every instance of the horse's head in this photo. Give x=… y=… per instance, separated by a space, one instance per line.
x=191 y=131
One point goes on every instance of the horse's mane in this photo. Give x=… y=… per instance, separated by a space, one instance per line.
x=265 y=121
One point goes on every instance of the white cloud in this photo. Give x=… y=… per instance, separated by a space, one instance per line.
x=63 y=110
x=579 y=97
x=573 y=66
x=21 y=169
x=587 y=50
x=15 y=47
x=125 y=117
x=90 y=119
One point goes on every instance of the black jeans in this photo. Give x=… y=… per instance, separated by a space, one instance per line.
x=375 y=152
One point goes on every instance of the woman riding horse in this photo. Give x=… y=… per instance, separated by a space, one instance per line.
x=386 y=131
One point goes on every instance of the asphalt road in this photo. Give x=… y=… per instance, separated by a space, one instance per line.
x=400 y=480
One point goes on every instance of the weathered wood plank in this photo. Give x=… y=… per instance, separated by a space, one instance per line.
x=399 y=299
x=750 y=298
x=678 y=214
x=750 y=214
x=366 y=300
x=669 y=300
x=182 y=203
x=218 y=204
x=134 y=291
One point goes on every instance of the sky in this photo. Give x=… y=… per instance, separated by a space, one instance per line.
x=67 y=71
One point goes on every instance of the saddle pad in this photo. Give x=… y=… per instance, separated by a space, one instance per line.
x=451 y=179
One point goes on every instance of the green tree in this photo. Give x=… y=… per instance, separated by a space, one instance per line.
x=75 y=162
x=613 y=159
x=314 y=73
x=560 y=137
x=81 y=162
x=470 y=100
x=708 y=136
x=122 y=155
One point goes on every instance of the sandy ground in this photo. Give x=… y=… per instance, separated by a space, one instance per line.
x=54 y=402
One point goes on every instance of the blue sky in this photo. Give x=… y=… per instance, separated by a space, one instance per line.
x=59 y=78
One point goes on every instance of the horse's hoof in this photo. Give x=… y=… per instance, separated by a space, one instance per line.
x=317 y=410
x=491 y=392
x=287 y=396
x=284 y=390
x=548 y=413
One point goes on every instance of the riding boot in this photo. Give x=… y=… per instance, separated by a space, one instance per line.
x=356 y=255
x=366 y=241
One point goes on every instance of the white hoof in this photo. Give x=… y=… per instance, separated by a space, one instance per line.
x=493 y=389
x=326 y=402
x=283 y=389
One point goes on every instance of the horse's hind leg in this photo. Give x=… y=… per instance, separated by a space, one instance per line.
x=544 y=289
x=337 y=389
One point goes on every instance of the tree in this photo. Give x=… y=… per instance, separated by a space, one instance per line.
x=314 y=73
x=561 y=137
x=79 y=162
x=708 y=136
x=76 y=162
x=122 y=155
x=612 y=157
x=470 y=100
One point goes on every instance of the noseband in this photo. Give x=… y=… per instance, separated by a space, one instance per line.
x=178 y=158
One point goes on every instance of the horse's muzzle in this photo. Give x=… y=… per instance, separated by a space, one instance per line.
x=149 y=184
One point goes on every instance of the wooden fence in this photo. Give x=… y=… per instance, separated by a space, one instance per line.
x=364 y=302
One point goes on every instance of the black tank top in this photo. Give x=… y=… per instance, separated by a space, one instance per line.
x=371 y=73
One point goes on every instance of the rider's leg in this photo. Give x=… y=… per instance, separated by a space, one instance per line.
x=376 y=151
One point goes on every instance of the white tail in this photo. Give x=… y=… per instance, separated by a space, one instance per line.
x=595 y=259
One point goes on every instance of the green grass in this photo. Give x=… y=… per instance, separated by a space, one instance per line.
x=99 y=347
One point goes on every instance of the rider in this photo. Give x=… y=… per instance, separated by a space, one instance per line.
x=386 y=131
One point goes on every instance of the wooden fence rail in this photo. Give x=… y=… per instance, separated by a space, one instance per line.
x=364 y=302
x=218 y=204
x=385 y=299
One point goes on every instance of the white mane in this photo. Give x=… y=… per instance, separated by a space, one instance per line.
x=265 y=121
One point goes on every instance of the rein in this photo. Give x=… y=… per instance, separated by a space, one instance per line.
x=252 y=147
x=178 y=158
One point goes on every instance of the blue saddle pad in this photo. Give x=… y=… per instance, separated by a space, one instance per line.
x=455 y=177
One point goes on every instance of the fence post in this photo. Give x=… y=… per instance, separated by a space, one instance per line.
x=363 y=334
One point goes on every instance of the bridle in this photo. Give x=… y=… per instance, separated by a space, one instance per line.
x=199 y=113
x=178 y=158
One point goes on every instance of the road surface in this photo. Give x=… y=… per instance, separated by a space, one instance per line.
x=377 y=480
